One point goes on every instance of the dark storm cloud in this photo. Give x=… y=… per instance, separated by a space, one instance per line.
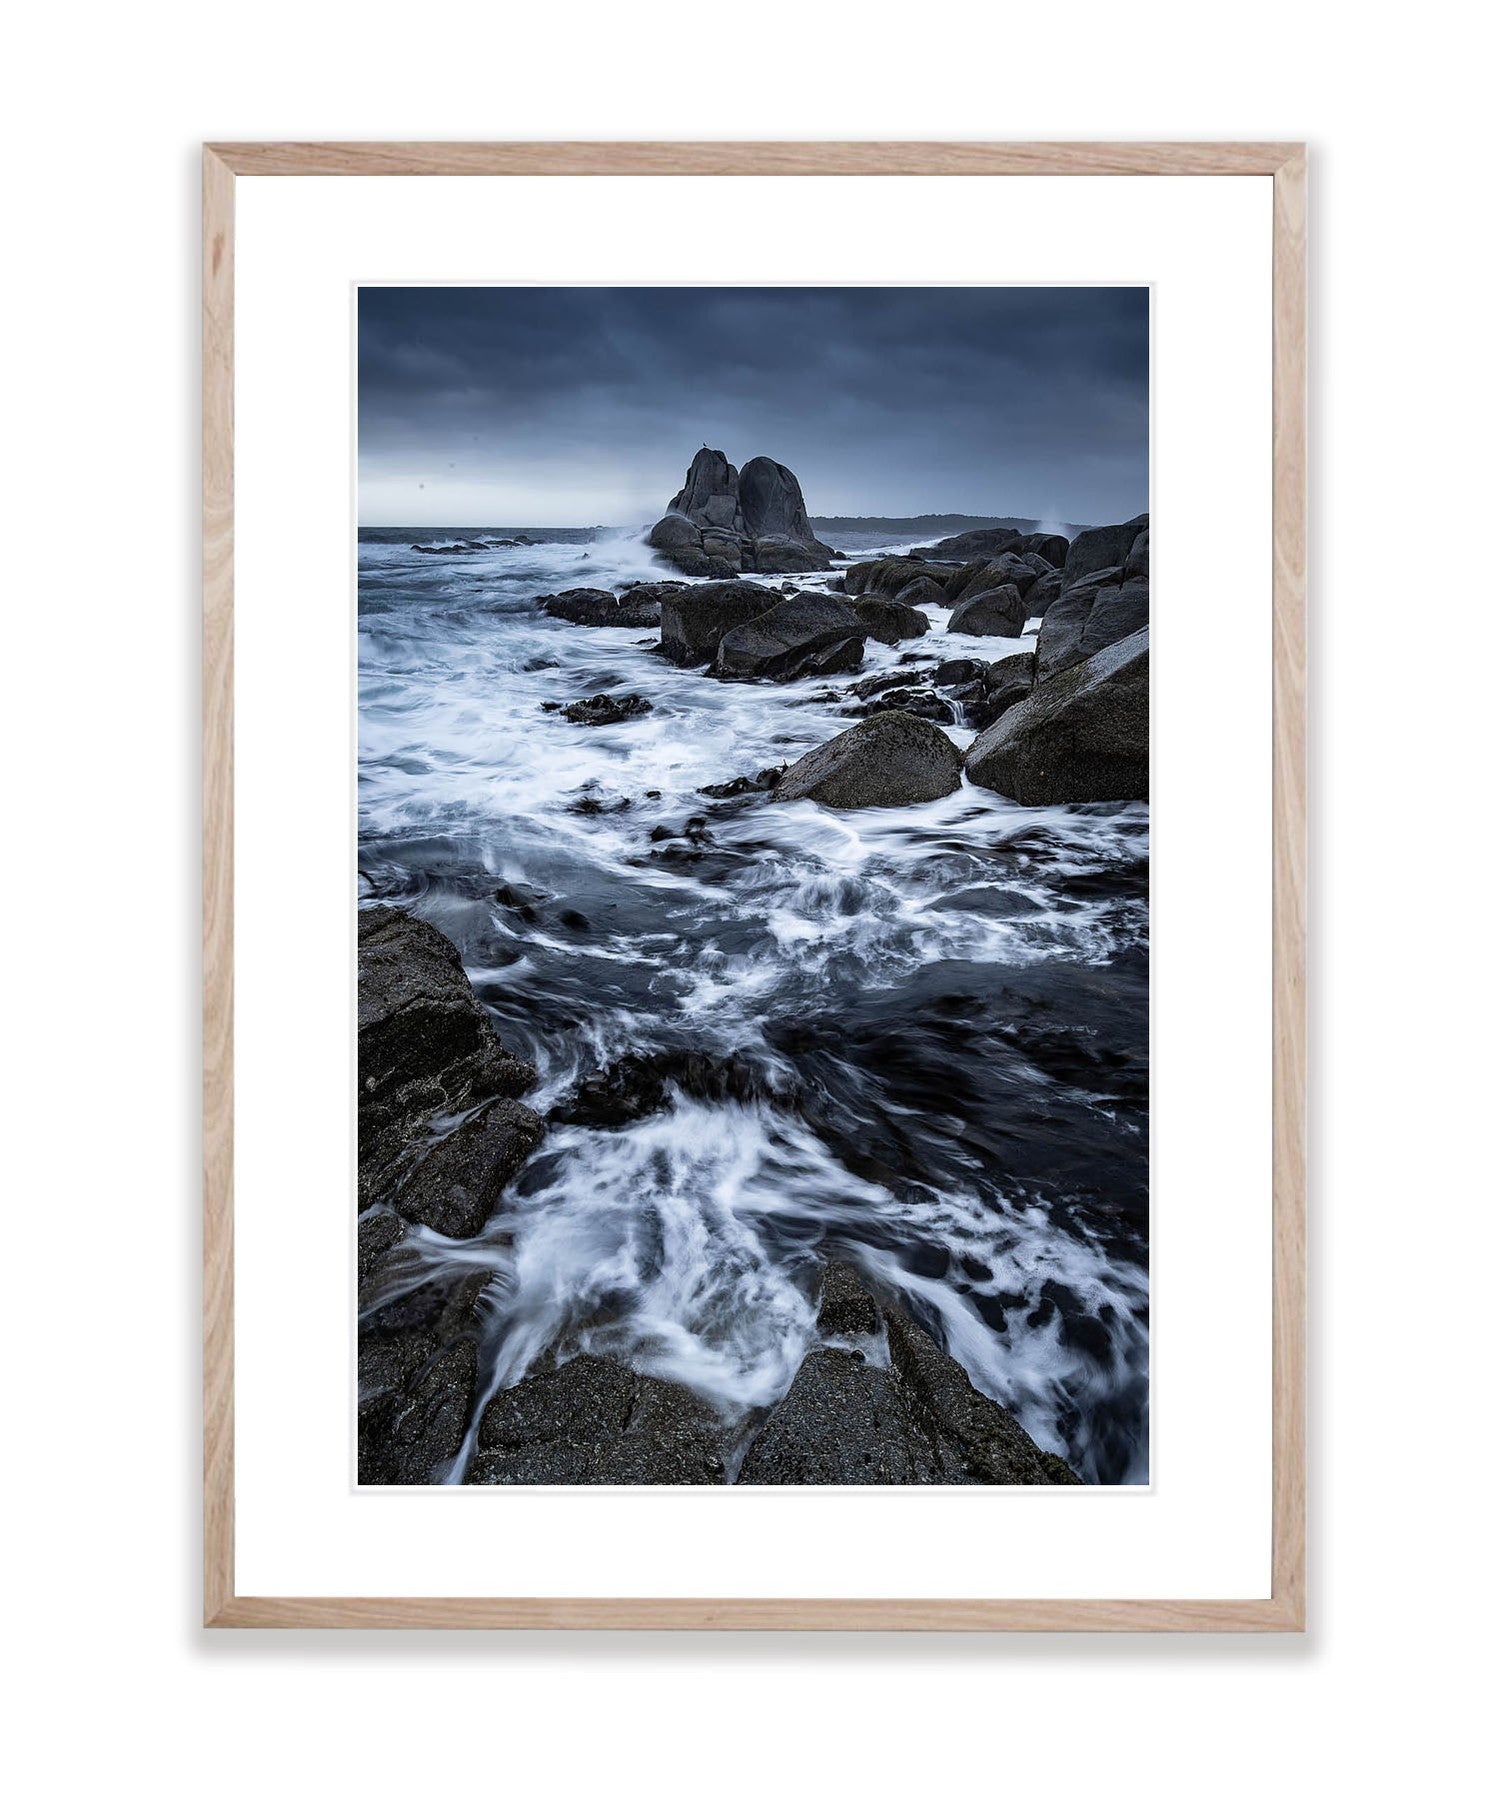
x=584 y=405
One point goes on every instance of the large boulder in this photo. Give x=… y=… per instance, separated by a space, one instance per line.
x=969 y=544
x=724 y=519
x=1082 y=735
x=1102 y=546
x=1004 y=570
x=596 y=606
x=591 y=1422
x=923 y=591
x=890 y=621
x=998 y=612
x=889 y=575
x=889 y=759
x=427 y=1051
x=695 y=619
x=1047 y=544
x=416 y=1396
x=1100 y=609
x=847 y=1421
x=810 y=633
x=1044 y=593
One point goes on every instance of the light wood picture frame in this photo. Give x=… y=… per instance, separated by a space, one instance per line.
x=1285 y=163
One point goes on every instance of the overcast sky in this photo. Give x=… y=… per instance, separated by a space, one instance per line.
x=583 y=406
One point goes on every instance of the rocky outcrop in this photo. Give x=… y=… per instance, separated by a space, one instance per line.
x=637 y=609
x=968 y=544
x=1004 y=570
x=416 y=1396
x=888 y=576
x=694 y=620
x=891 y=621
x=920 y=1421
x=606 y=708
x=427 y=1051
x=1081 y=735
x=594 y=1423
x=1101 y=602
x=725 y=520
x=813 y=633
x=1102 y=546
x=890 y=759
x=1046 y=544
x=996 y=612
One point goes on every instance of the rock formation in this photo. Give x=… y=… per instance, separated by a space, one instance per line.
x=725 y=521
x=1081 y=735
x=890 y=759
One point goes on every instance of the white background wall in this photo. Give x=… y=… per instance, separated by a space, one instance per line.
x=104 y=110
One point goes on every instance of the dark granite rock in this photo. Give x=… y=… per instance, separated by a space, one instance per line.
x=890 y=621
x=606 y=708
x=1103 y=546
x=415 y=1400
x=1082 y=735
x=593 y=1423
x=994 y=612
x=921 y=1422
x=1100 y=609
x=635 y=610
x=695 y=619
x=967 y=545
x=890 y=759
x=426 y=1046
x=791 y=639
x=455 y=1185
x=725 y=519
x=845 y=1308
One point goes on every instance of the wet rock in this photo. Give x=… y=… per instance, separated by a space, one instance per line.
x=891 y=759
x=967 y=545
x=886 y=577
x=890 y=621
x=1051 y=547
x=415 y=1398
x=1099 y=609
x=957 y=671
x=724 y=519
x=997 y=612
x=1044 y=593
x=742 y=784
x=843 y=1423
x=1003 y=684
x=426 y=1046
x=917 y=701
x=1103 y=546
x=984 y=577
x=813 y=633
x=695 y=619
x=598 y=607
x=606 y=708
x=972 y=1434
x=845 y=1308
x=1082 y=735
x=923 y=591
x=637 y=1086
x=455 y=1185
x=594 y=1423
x=921 y=1422
x=874 y=684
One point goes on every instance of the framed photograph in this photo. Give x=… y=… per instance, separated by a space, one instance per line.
x=753 y=1035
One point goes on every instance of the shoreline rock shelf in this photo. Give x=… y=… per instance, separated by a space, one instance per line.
x=874 y=1401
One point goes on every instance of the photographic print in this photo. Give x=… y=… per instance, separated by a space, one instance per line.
x=753 y=886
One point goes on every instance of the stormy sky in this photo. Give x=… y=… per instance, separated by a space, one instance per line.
x=583 y=406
